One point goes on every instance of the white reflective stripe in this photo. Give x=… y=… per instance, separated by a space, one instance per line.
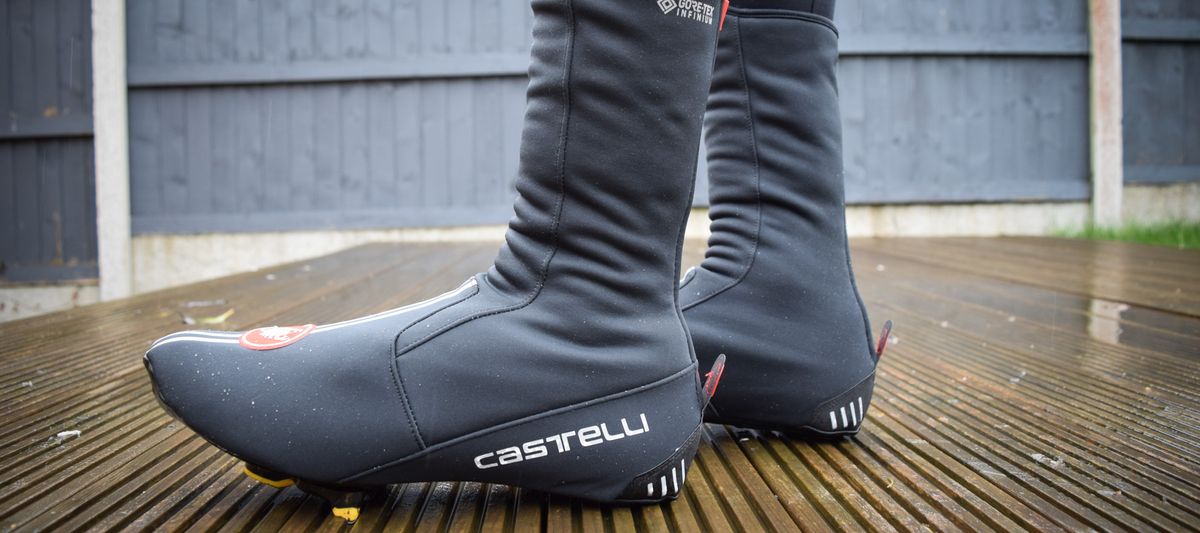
x=232 y=337
x=649 y=489
x=844 y=421
x=853 y=415
x=197 y=339
x=861 y=413
x=209 y=333
x=686 y=273
x=833 y=419
x=683 y=468
x=674 y=480
x=664 y=484
x=330 y=327
x=192 y=334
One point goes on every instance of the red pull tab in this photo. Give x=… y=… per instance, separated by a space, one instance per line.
x=724 y=9
x=713 y=378
x=883 y=339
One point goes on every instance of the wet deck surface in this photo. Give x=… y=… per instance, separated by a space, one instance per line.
x=1031 y=384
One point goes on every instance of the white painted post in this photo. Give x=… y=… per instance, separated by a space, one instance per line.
x=110 y=112
x=1108 y=170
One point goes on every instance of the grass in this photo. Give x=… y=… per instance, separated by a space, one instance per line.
x=1173 y=234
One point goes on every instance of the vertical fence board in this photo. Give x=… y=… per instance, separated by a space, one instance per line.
x=172 y=144
x=224 y=152
x=72 y=201
x=460 y=106
x=406 y=33
x=250 y=143
x=408 y=145
x=6 y=65
x=247 y=31
x=434 y=141
x=199 y=154
x=8 y=203
x=325 y=30
x=379 y=30
x=49 y=202
x=302 y=134
x=381 y=137
x=354 y=163
x=25 y=168
x=21 y=39
x=433 y=26
x=277 y=157
x=143 y=154
x=327 y=194
x=352 y=28
x=274 y=31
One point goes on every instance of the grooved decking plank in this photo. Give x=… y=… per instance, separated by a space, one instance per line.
x=1093 y=269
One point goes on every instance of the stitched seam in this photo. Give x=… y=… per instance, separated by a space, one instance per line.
x=784 y=14
x=412 y=419
x=532 y=418
x=398 y=351
x=741 y=51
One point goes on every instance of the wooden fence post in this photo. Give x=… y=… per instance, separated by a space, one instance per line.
x=1107 y=161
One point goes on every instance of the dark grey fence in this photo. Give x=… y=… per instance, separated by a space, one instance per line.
x=271 y=115
x=281 y=115
x=300 y=114
x=1161 y=59
x=47 y=206
x=964 y=100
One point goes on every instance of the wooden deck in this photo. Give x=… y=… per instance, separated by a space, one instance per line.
x=1031 y=384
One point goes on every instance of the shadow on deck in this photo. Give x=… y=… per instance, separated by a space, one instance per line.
x=1031 y=384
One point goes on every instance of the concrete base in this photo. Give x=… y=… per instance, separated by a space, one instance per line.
x=23 y=302
x=167 y=260
x=1155 y=204
x=979 y=220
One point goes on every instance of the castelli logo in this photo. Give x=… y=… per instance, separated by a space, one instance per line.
x=273 y=337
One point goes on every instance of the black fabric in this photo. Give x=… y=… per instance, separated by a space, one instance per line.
x=775 y=292
x=580 y=303
x=824 y=8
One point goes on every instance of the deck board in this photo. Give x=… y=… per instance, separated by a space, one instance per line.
x=1041 y=384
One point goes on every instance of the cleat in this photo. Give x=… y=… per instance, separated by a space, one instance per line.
x=349 y=514
x=267 y=477
x=346 y=503
x=566 y=366
x=775 y=292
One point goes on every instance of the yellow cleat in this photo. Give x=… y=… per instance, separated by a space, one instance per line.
x=349 y=514
x=281 y=483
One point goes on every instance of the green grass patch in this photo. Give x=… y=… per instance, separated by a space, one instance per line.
x=1173 y=234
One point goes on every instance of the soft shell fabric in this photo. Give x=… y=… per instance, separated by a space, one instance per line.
x=775 y=292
